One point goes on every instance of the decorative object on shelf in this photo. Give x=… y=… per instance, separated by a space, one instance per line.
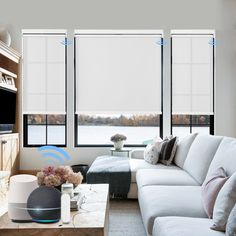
x=118 y=141
x=7 y=82
x=10 y=80
x=5 y=36
x=2 y=79
x=56 y=176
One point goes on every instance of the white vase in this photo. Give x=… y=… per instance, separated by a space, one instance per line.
x=118 y=145
x=5 y=36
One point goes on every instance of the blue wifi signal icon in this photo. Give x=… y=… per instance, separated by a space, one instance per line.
x=212 y=42
x=55 y=152
x=161 y=42
x=66 y=42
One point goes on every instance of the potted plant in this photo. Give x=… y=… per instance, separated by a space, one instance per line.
x=56 y=176
x=118 y=141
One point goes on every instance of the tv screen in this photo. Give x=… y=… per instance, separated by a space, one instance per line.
x=7 y=106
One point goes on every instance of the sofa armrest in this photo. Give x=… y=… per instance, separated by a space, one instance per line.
x=137 y=153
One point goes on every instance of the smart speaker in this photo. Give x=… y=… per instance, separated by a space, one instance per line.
x=21 y=186
x=44 y=205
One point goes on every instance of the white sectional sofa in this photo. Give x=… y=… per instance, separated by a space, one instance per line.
x=170 y=196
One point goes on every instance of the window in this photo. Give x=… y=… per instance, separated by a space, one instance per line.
x=192 y=74
x=44 y=88
x=97 y=129
x=118 y=86
x=185 y=124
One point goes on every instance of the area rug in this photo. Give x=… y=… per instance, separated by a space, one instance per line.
x=125 y=219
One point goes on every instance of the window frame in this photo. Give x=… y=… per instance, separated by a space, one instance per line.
x=25 y=134
x=25 y=116
x=76 y=144
x=211 y=125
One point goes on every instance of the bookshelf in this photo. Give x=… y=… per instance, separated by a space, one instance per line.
x=9 y=143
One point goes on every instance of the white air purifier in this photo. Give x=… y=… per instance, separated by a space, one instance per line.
x=21 y=186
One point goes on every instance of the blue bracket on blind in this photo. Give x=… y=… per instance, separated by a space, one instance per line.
x=212 y=42
x=161 y=42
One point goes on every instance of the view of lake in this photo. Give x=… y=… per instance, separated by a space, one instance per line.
x=101 y=134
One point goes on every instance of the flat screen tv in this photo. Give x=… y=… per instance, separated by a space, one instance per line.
x=7 y=110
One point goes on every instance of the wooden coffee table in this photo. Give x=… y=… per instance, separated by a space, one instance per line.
x=90 y=220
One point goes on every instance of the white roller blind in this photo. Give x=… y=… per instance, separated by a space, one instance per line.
x=118 y=74
x=44 y=74
x=192 y=74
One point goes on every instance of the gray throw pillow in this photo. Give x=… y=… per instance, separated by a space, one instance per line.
x=231 y=224
x=225 y=202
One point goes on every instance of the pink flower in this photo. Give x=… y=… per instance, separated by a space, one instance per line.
x=50 y=170
x=63 y=172
x=52 y=180
x=51 y=176
x=75 y=178
x=40 y=177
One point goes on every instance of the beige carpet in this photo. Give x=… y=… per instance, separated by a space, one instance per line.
x=125 y=219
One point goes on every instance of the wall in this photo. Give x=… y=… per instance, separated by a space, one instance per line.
x=133 y=14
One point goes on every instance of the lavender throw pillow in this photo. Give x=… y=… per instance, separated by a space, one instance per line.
x=210 y=189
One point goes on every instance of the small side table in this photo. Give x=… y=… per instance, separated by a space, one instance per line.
x=123 y=150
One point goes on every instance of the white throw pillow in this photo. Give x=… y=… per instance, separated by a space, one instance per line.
x=151 y=152
x=183 y=147
x=225 y=202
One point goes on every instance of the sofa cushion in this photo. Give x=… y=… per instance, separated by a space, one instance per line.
x=138 y=164
x=158 y=201
x=164 y=177
x=183 y=226
x=200 y=156
x=225 y=157
x=183 y=147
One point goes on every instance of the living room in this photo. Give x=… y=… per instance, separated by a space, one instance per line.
x=125 y=106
